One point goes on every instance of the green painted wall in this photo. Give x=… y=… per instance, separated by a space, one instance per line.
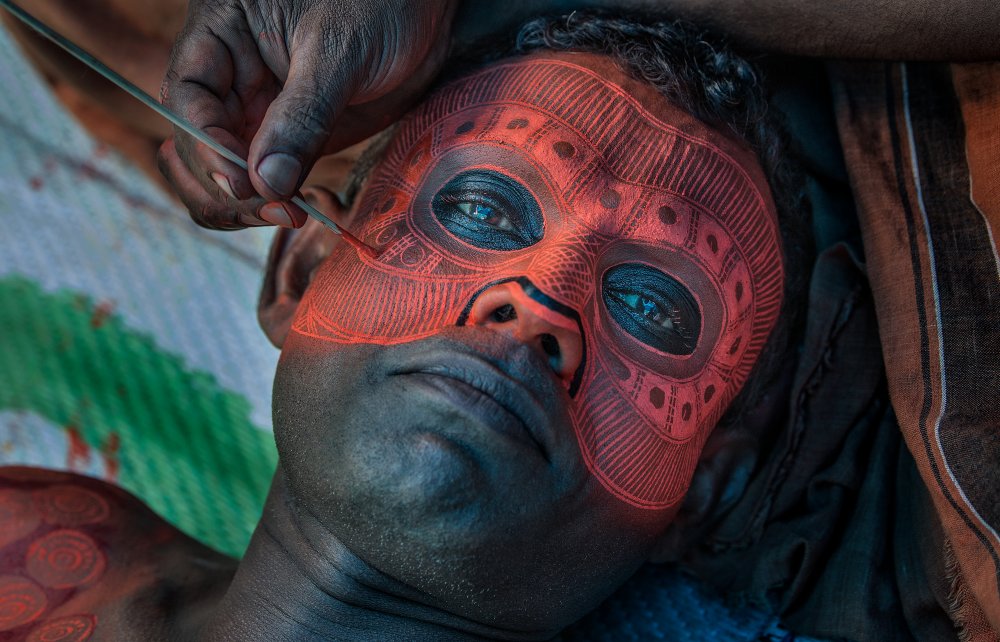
x=187 y=446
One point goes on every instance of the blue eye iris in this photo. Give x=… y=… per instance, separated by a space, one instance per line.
x=481 y=212
x=484 y=213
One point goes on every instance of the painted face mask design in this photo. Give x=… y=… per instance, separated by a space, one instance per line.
x=657 y=242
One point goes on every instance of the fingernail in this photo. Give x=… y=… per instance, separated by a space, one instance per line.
x=281 y=172
x=223 y=184
x=275 y=214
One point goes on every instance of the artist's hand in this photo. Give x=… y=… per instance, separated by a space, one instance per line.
x=281 y=82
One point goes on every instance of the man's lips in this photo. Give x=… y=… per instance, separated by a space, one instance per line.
x=480 y=389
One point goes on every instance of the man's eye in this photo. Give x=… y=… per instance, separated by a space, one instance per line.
x=652 y=310
x=485 y=214
x=489 y=210
x=653 y=307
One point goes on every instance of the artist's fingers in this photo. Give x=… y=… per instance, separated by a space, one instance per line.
x=297 y=124
x=206 y=209
x=215 y=210
x=199 y=87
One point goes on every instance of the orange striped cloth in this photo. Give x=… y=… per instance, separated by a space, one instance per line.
x=922 y=145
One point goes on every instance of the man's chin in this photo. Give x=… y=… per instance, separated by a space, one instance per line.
x=432 y=423
x=382 y=449
x=444 y=498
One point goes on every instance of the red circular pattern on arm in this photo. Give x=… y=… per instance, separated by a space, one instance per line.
x=73 y=628
x=65 y=559
x=69 y=505
x=18 y=516
x=21 y=602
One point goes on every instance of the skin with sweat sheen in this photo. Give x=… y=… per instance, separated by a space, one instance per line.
x=575 y=277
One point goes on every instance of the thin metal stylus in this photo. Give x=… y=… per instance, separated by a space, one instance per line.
x=140 y=95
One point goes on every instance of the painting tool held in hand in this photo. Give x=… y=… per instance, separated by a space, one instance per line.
x=181 y=122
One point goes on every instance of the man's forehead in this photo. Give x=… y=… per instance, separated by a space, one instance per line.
x=598 y=135
x=622 y=169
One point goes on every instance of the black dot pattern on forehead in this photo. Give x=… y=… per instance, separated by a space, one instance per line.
x=465 y=127
x=611 y=199
x=563 y=149
x=517 y=123
x=667 y=215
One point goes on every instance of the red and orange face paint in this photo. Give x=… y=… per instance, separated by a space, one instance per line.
x=651 y=236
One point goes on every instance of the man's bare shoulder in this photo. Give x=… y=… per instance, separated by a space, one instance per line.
x=80 y=557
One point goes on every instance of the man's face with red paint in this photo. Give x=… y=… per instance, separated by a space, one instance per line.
x=575 y=279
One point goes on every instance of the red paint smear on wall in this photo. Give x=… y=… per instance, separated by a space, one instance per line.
x=79 y=450
x=109 y=453
x=102 y=311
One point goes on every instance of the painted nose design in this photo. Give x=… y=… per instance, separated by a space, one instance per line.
x=508 y=307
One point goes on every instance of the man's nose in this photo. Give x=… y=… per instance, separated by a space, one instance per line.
x=506 y=307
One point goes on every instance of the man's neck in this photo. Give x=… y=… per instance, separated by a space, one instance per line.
x=298 y=582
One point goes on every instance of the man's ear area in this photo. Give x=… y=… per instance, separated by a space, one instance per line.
x=292 y=262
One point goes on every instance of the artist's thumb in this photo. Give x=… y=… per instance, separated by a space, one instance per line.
x=298 y=123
